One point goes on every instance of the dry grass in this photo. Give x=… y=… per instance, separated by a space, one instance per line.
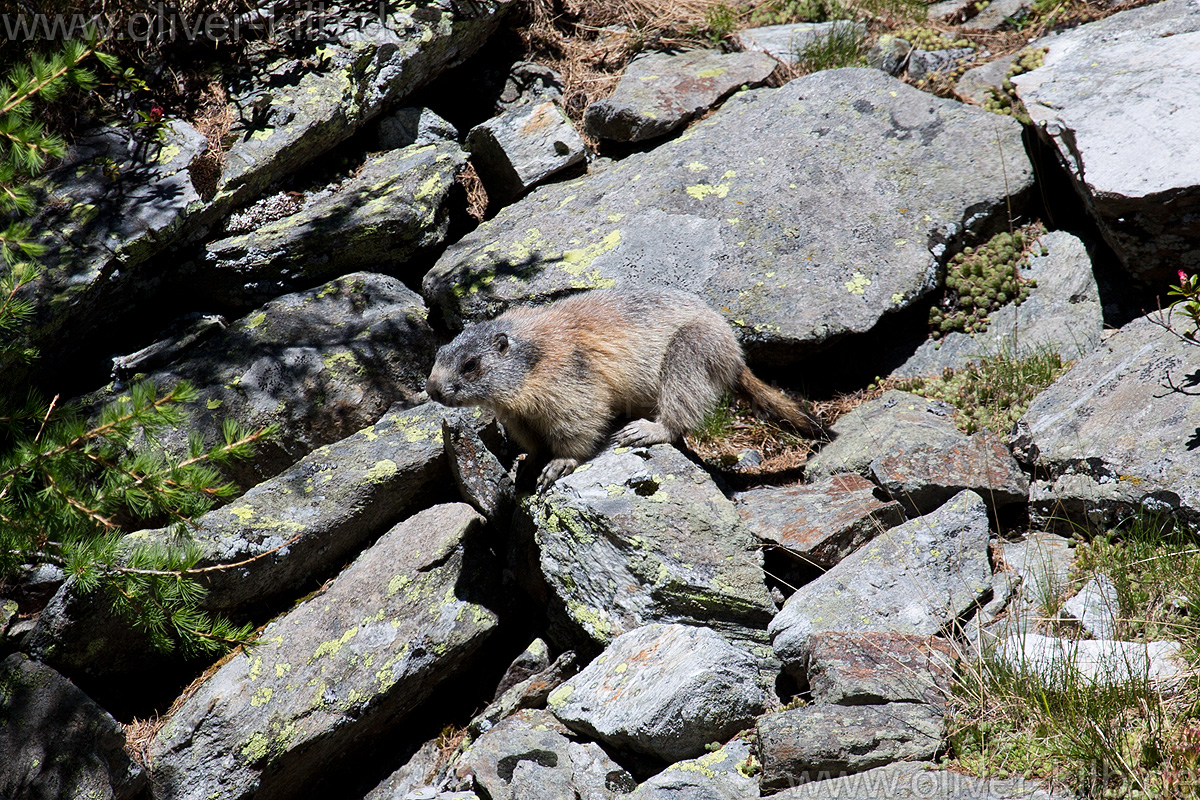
x=213 y=119
x=477 y=198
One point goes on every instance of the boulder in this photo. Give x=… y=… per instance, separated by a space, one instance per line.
x=812 y=742
x=392 y=210
x=1103 y=662
x=1122 y=85
x=532 y=692
x=532 y=756
x=116 y=201
x=917 y=780
x=925 y=63
x=286 y=532
x=481 y=479
x=642 y=536
x=319 y=365
x=663 y=690
x=820 y=523
x=418 y=774
x=975 y=84
x=923 y=477
x=56 y=742
x=895 y=421
x=870 y=668
x=1062 y=313
x=725 y=774
x=341 y=668
x=1095 y=471
x=1096 y=608
x=414 y=125
x=523 y=147
x=916 y=579
x=889 y=53
x=749 y=209
x=788 y=42
x=1041 y=564
x=660 y=92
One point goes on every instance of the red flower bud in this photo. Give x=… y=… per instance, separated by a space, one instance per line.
x=156 y=113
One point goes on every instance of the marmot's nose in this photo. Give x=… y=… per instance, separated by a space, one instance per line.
x=433 y=390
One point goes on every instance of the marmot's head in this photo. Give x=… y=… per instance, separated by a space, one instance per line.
x=485 y=365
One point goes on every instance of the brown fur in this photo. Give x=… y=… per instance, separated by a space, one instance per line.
x=559 y=376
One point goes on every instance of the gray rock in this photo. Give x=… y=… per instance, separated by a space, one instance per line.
x=524 y=146
x=114 y=203
x=805 y=744
x=304 y=110
x=725 y=774
x=1097 y=471
x=412 y=125
x=739 y=210
x=660 y=92
x=975 y=84
x=529 y=82
x=342 y=667
x=663 y=690
x=1062 y=313
x=889 y=53
x=658 y=543
x=319 y=365
x=923 y=477
x=532 y=660
x=414 y=776
x=532 y=692
x=1096 y=607
x=289 y=531
x=822 y=522
x=1042 y=560
x=1104 y=662
x=56 y=742
x=916 y=780
x=787 y=42
x=1125 y=85
x=923 y=63
x=532 y=756
x=896 y=421
x=481 y=479
x=998 y=13
x=393 y=209
x=869 y=668
x=915 y=578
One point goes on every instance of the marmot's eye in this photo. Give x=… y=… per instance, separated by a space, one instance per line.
x=470 y=365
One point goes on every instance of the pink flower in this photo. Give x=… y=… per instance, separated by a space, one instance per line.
x=156 y=113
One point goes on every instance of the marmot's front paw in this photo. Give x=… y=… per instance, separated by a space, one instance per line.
x=642 y=433
x=557 y=468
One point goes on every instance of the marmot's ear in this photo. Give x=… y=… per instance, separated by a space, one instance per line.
x=501 y=342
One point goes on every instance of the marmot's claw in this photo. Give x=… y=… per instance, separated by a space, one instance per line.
x=556 y=469
x=642 y=433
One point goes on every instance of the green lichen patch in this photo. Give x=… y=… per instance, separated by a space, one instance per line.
x=924 y=38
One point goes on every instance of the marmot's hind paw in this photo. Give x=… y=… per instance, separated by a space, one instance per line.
x=556 y=469
x=642 y=433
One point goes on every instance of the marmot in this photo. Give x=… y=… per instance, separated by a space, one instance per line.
x=558 y=376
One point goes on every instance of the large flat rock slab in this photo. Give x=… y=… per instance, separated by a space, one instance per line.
x=642 y=536
x=1127 y=84
x=803 y=213
x=913 y=579
x=1118 y=432
x=340 y=668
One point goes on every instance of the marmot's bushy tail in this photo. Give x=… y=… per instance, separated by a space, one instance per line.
x=775 y=403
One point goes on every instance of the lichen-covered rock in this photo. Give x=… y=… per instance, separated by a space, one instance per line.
x=1126 y=85
x=659 y=92
x=115 y=201
x=56 y=742
x=866 y=668
x=924 y=63
x=729 y=773
x=414 y=125
x=821 y=522
x=915 y=579
x=523 y=146
x=923 y=477
x=288 y=531
x=531 y=692
x=1117 y=432
x=818 y=741
x=895 y=421
x=304 y=110
x=1096 y=608
x=394 y=208
x=643 y=536
x=787 y=42
x=749 y=209
x=345 y=666
x=1062 y=313
x=319 y=365
x=481 y=478
x=663 y=690
x=533 y=756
